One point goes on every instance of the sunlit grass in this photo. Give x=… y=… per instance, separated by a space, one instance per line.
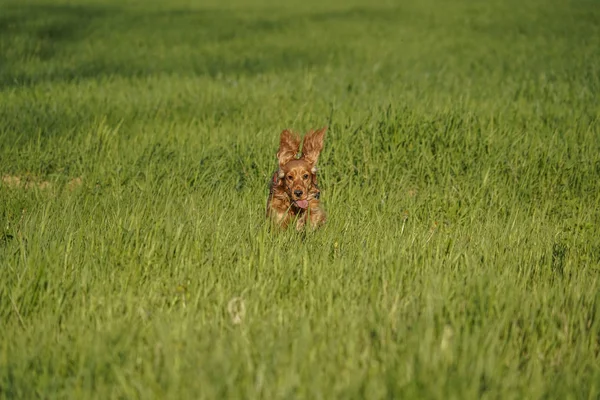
x=460 y=173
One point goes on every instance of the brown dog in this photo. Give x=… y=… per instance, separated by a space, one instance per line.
x=294 y=192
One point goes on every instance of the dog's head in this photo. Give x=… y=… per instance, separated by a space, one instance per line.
x=297 y=174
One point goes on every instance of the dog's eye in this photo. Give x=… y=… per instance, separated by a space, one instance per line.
x=290 y=177
x=305 y=176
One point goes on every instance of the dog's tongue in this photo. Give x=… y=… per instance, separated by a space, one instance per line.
x=302 y=203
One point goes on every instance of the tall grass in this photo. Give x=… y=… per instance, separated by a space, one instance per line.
x=461 y=256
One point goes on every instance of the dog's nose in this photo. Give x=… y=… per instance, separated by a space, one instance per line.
x=298 y=193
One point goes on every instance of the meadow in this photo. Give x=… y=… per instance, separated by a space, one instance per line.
x=460 y=174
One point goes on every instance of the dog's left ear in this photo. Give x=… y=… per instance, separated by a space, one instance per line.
x=289 y=145
x=313 y=144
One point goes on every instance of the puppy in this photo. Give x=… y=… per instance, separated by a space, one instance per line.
x=294 y=193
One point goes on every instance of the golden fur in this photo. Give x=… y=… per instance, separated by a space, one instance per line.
x=294 y=191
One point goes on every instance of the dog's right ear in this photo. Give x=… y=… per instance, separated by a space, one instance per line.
x=313 y=144
x=289 y=146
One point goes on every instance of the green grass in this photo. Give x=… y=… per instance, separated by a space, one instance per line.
x=461 y=170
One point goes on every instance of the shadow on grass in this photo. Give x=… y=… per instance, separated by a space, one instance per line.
x=37 y=33
x=66 y=43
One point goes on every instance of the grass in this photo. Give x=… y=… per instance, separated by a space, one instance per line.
x=461 y=257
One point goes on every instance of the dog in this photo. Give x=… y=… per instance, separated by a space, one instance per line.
x=294 y=193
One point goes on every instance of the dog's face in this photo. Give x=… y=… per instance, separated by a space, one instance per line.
x=297 y=175
x=297 y=179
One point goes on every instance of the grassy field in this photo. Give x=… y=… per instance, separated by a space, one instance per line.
x=461 y=176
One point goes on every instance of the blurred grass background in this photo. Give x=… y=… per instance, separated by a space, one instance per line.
x=460 y=174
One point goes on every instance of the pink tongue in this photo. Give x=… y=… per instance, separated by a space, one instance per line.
x=302 y=203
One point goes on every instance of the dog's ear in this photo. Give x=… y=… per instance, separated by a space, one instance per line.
x=313 y=144
x=289 y=146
